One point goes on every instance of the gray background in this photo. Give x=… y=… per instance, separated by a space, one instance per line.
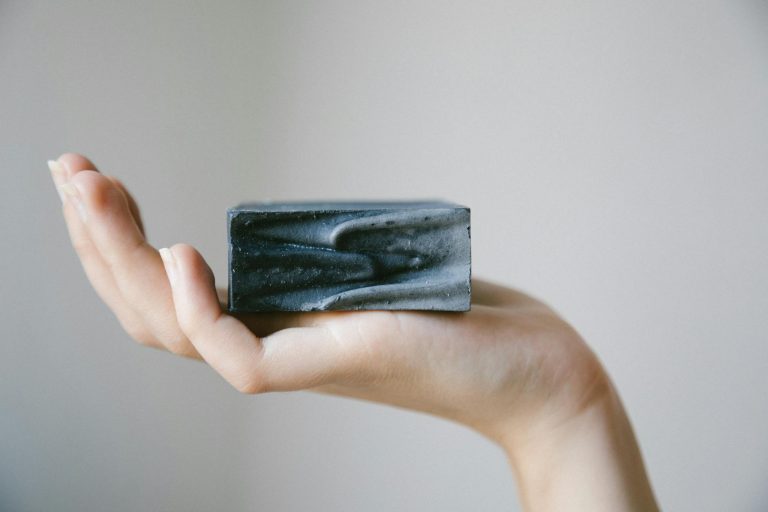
x=615 y=156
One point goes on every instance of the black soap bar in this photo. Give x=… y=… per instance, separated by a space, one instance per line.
x=349 y=256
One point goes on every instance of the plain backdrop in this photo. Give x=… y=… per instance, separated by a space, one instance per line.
x=614 y=155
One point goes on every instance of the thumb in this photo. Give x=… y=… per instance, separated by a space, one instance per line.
x=289 y=359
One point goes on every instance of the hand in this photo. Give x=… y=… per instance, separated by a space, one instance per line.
x=510 y=368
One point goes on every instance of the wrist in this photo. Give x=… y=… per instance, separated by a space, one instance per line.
x=588 y=460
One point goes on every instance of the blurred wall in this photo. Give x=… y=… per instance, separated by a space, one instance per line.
x=615 y=156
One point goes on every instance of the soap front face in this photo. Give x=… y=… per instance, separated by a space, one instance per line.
x=349 y=256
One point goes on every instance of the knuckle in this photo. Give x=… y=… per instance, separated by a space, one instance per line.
x=196 y=324
x=143 y=339
x=138 y=333
x=189 y=326
x=179 y=346
x=248 y=384
x=181 y=351
x=82 y=245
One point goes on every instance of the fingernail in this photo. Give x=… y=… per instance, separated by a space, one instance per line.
x=59 y=176
x=70 y=193
x=170 y=264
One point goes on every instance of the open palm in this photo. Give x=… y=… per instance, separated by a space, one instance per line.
x=509 y=368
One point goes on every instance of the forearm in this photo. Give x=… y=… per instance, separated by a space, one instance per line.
x=591 y=462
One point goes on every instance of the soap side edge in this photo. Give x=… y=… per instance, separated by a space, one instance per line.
x=231 y=213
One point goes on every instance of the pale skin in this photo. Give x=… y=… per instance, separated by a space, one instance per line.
x=510 y=368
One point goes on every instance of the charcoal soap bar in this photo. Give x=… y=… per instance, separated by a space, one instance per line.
x=349 y=256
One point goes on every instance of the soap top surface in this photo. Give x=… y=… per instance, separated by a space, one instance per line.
x=341 y=206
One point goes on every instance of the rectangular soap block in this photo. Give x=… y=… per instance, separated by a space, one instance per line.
x=349 y=256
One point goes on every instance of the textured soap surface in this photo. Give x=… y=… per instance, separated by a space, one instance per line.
x=349 y=256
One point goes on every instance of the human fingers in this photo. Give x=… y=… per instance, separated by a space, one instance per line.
x=133 y=206
x=96 y=269
x=72 y=163
x=136 y=266
x=289 y=359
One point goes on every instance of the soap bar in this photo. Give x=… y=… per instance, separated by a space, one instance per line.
x=349 y=256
